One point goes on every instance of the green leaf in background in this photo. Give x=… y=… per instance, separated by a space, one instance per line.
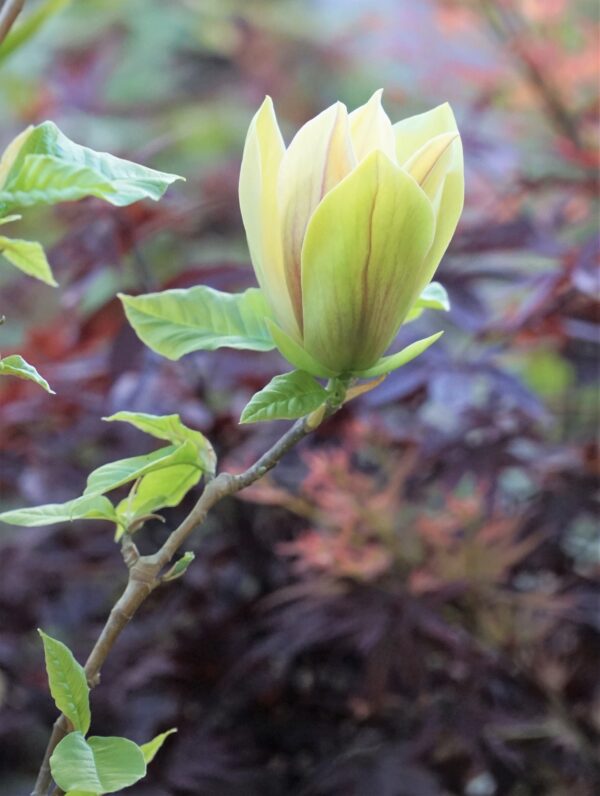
x=176 y=322
x=68 y=683
x=96 y=765
x=96 y=507
x=387 y=364
x=26 y=29
x=150 y=749
x=434 y=297
x=114 y=474
x=286 y=397
x=171 y=429
x=48 y=167
x=15 y=365
x=28 y=256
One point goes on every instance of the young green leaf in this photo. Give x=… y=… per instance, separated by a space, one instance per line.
x=434 y=297
x=180 y=567
x=387 y=364
x=150 y=749
x=286 y=397
x=95 y=507
x=171 y=429
x=68 y=683
x=29 y=257
x=114 y=474
x=176 y=322
x=96 y=765
x=48 y=168
x=15 y=365
x=157 y=490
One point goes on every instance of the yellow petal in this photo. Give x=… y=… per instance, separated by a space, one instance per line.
x=263 y=153
x=10 y=154
x=318 y=158
x=372 y=129
x=430 y=164
x=445 y=184
x=362 y=264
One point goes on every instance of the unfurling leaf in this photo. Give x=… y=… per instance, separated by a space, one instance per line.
x=68 y=683
x=95 y=507
x=96 y=765
x=180 y=567
x=177 y=322
x=15 y=365
x=28 y=256
x=286 y=397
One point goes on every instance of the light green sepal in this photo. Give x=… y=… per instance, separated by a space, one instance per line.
x=387 y=364
x=295 y=354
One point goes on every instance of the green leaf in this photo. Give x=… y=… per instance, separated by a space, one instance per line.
x=68 y=683
x=434 y=297
x=97 y=765
x=176 y=322
x=387 y=364
x=171 y=429
x=15 y=365
x=150 y=749
x=81 y=793
x=50 y=168
x=29 y=257
x=25 y=30
x=115 y=474
x=82 y=508
x=286 y=397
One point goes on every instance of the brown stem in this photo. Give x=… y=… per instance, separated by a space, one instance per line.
x=145 y=571
x=8 y=14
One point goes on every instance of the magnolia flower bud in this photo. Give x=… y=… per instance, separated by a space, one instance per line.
x=347 y=226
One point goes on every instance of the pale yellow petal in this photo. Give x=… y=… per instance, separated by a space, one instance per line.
x=372 y=129
x=430 y=164
x=318 y=158
x=445 y=183
x=263 y=153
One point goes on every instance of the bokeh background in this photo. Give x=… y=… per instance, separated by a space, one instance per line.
x=406 y=607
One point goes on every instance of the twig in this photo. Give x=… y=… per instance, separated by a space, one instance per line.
x=510 y=27
x=145 y=572
x=8 y=14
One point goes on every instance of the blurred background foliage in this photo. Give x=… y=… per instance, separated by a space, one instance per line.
x=409 y=605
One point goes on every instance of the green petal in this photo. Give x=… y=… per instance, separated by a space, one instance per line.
x=295 y=354
x=362 y=264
